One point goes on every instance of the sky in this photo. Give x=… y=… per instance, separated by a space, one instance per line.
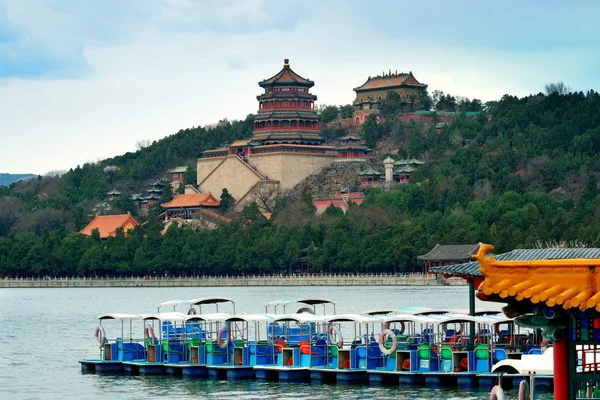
x=83 y=80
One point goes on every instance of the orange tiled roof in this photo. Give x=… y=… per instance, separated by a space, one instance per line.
x=192 y=200
x=568 y=283
x=381 y=82
x=107 y=224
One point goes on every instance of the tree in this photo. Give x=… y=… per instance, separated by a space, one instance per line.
x=265 y=195
x=91 y=261
x=11 y=210
x=328 y=113
x=227 y=201
x=346 y=111
x=559 y=88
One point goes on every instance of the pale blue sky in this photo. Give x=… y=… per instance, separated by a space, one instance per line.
x=82 y=80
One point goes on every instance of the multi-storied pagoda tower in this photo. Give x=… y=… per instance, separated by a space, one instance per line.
x=286 y=110
x=286 y=144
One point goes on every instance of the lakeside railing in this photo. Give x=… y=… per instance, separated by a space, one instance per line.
x=411 y=279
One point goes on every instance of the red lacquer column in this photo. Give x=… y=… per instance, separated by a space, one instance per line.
x=561 y=368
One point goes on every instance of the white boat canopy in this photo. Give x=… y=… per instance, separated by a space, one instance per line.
x=168 y=316
x=121 y=317
x=421 y=311
x=197 y=302
x=213 y=317
x=300 y=318
x=364 y=319
x=458 y=318
x=421 y=319
x=309 y=301
x=250 y=318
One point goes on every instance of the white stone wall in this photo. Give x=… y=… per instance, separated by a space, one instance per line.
x=232 y=174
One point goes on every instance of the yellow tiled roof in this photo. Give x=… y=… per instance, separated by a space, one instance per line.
x=568 y=283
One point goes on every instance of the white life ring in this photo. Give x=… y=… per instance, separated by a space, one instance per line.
x=224 y=328
x=331 y=333
x=100 y=334
x=382 y=335
x=400 y=331
x=191 y=311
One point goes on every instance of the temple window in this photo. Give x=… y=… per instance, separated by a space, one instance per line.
x=357 y=121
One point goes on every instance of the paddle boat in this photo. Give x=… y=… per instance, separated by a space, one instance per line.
x=113 y=352
x=307 y=304
x=167 y=348
x=297 y=342
x=406 y=349
x=195 y=305
x=350 y=360
x=242 y=340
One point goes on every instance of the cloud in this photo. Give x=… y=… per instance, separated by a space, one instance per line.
x=50 y=40
x=152 y=68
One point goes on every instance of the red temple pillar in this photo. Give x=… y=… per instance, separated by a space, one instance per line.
x=561 y=368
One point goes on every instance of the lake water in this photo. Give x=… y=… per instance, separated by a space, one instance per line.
x=44 y=332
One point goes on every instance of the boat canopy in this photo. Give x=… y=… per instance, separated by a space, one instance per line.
x=197 y=302
x=122 y=317
x=170 y=303
x=208 y=300
x=309 y=301
x=213 y=317
x=168 y=316
x=421 y=311
x=250 y=318
x=382 y=311
x=300 y=318
x=478 y=312
x=365 y=319
x=458 y=318
x=422 y=319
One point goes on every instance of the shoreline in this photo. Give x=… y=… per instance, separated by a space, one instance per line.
x=336 y=280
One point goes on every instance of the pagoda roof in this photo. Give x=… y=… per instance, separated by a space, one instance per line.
x=113 y=192
x=178 y=170
x=216 y=150
x=192 y=200
x=352 y=147
x=260 y=137
x=240 y=143
x=444 y=252
x=350 y=138
x=556 y=277
x=390 y=81
x=286 y=95
x=409 y=161
x=472 y=268
x=369 y=171
x=407 y=169
x=286 y=77
x=286 y=114
x=107 y=225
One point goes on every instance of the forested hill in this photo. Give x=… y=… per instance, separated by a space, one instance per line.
x=7 y=179
x=524 y=172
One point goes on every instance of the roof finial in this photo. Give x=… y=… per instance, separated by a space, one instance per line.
x=286 y=62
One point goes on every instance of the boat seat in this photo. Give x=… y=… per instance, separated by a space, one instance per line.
x=446 y=352
x=281 y=345
x=500 y=354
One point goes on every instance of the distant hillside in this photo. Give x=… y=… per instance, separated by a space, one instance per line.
x=7 y=179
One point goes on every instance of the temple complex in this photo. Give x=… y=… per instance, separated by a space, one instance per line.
x=371 y=95
x=285 y=147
